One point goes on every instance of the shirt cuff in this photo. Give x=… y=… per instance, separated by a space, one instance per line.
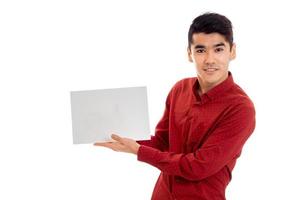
x=147 y=154
x=144 y=142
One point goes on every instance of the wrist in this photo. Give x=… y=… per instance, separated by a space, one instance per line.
x=136 y=149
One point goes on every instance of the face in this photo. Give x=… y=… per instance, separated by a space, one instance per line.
x=211 y=54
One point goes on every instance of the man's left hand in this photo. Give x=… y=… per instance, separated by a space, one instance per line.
x=120 y=144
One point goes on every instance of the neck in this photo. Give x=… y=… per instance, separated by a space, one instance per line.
x=205 y=86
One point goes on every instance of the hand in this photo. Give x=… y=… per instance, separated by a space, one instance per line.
x=120 y=144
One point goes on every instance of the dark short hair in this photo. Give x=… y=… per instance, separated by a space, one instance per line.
x=211 y=23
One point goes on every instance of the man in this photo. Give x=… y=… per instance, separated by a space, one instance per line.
x=206 y=122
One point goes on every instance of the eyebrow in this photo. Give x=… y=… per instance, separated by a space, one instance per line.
x=200 y=46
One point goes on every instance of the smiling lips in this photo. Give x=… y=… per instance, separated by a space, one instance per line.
x=210 y=69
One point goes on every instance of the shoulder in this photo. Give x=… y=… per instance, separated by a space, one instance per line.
x=240 y=101
x=238 y=96
x=184 y=84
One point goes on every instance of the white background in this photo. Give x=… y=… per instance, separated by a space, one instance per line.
x=49 y=48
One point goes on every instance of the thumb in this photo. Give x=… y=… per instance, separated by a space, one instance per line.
x=116 y=137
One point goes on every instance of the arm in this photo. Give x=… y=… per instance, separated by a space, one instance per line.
x=223 y=145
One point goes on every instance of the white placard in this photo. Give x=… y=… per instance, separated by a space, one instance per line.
x=96 y=114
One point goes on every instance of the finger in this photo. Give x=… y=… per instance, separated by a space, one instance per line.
x=110 y=145
x=104 y=144
x=116 y=137
x=116 y=146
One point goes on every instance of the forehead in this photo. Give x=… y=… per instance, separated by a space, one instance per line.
x=208 y=40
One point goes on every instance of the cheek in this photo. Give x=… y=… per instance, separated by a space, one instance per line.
x=199 y=65
x=198 y=60
x=223 y=60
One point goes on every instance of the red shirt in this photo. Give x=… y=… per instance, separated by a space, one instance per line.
x=198 y=140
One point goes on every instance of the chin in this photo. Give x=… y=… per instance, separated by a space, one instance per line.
x=211 y=79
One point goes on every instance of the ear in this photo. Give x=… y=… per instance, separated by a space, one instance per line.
x=233 y=52
x=189 y=55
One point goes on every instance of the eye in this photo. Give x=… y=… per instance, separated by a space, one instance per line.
x=200 y=50
x=219 y=49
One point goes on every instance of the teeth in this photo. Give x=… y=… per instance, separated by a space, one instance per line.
x=210 y=69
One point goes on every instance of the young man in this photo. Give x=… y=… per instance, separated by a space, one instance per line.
x=206 y=122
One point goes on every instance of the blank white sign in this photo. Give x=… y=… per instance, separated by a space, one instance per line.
x=96 y=114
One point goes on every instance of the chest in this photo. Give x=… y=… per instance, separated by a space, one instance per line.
x=192 y=124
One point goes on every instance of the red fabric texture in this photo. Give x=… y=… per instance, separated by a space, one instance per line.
x=198 y=140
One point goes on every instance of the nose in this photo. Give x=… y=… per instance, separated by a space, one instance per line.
x=209 y=58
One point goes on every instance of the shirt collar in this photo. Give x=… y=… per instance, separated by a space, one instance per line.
x=215 y=91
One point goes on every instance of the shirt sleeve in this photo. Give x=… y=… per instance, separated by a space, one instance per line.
x=223 y=145
x=160 y=140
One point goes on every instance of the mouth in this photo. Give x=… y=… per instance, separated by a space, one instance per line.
x=210 y=69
